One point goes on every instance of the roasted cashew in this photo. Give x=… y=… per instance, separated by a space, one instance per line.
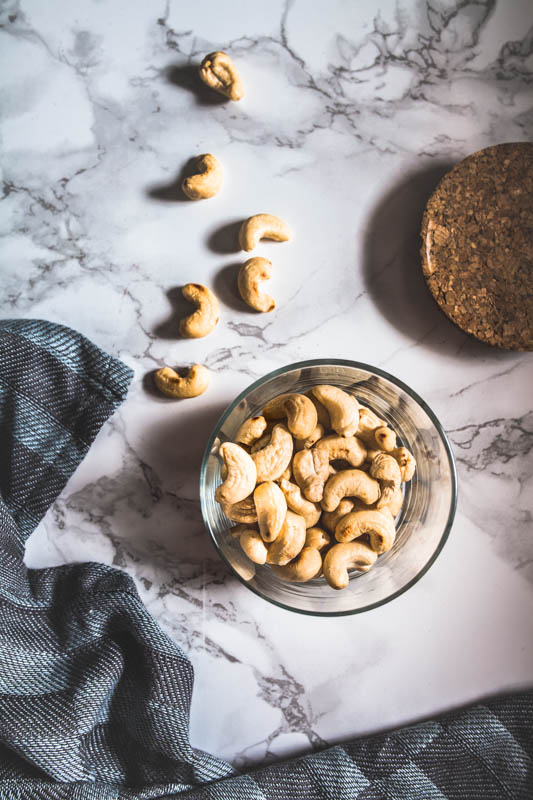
x=203 y=320
x=271 y=508
x=262 y=226
x=331 y=518
x=313 y=438
x=345 y=556
x=379 y=525
x=299 y=410
x=244 y=511
x=342 y=448
x=310 y=470
x=386 y=470
x=251 y=543
x=251 y=430
x=289 y=542
x=343 y=408
x=308 y=510
x=207 y=182
x=220 y=73
x=317 y=538
x=406 y=462
x=241 y=478
x=349 y=483
x=304 y=568
x=273 y=459
x=251 y=274
x=173 y=385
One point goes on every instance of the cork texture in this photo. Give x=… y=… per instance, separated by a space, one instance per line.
x=477 y=245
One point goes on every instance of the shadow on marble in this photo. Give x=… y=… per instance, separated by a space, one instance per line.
x=172 y=192
x=185 y=76
x=225 y=285
x=225 y=239
x=180 y=307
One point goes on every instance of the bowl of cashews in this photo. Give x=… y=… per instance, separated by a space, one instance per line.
x=328 y=487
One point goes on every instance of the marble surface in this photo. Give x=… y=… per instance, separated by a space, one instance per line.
x=352 y=112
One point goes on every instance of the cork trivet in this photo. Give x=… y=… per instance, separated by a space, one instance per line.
x=477 y=245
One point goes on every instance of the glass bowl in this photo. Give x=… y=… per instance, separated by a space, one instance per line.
x=429 y=503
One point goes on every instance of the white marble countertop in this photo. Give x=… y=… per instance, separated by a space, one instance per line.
x=352 y=112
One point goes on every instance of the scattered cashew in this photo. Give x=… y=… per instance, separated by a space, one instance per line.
x=308 y=510
x=342 y=407
x=331 y=518
x=379 y=525
x=317 y=538
x=220 y=73
x=251 y=430
x=299 y=410
x=204 y=319
x=173 y=385
x=314 y=436
x=244 y=511
x=251 y=543
x=262 y=226
x=271 y=508
x=289 y=542
x=406 y=462
x=386 y=470
x=241 y=477
x=304 y=568
x=273 y=459
x=310 y=470
x=251 y=274
x=345 y=556
x=349 y=483
x=207 y=181
x=342 y=448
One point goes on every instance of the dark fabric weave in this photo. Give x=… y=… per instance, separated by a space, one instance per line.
x=95 y=698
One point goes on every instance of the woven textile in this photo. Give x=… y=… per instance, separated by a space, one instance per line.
x=94 y=697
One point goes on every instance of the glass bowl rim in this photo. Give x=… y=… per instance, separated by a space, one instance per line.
x=326 y=362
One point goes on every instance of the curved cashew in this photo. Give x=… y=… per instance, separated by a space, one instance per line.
x=273 y=459
x=406 y=462
x=345 y=556
x=349 y=483
x=252 y=544
x=379 y=525
x=368 y=422
x=311 y=469
x=321 y=411
x=173 y=385
x=207 y=182
x=241 y=478
x=289 y=542
x=305 y=508
x=331 y=518
x=262 y=226
x=386 y=470
x=271 y=508
x=317 y=538
x=244 y=511
x=203 y=320
x=304 y=568
x=343 y=408
x=342 y=448
x=299 y=410
x=313 y=438
x=394 y=504
x=251 y=430
x=251 y=274
x=218 y=71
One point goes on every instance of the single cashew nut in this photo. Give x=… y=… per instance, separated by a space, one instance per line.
x=304 y=568
x=305 y=508
x=173 y=385
x=273 y=459
x=299 y=410
x=386 y=470
x=331 y=518
x=271 y=508
x=262 y=226
x=379 y=525
x=406 y=462
x=251 y=430
x=342 y=448
x=244 y=511
x=220 y=73
x=207 y=182
x=313 y=438
x=317 y=538
x=349 y=483
x=289 y=542
x=311 y=469
x=345 y=556
x=203 y=320
x=241 y=478
x=343 y=408
x=252 y=543
x=251 y=274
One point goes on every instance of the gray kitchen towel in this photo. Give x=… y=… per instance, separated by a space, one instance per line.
x=95 y=698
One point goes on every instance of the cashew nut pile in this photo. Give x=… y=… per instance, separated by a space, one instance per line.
x=315 y=483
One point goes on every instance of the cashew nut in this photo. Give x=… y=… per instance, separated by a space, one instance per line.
x=173 y=385
x=342 y=448
x=203 y=320
x=317 y=538
x=271 y=508
x=343 y=408
x=331 y=518
x=310 y=470
x=207 y=182
x=244 y=511
x=394 y=504
x=262 y=226
x=379 y=525
x=289 y=542
x=385 y=438
x=251 y=430
x=251 y=274
x=273 y=459
x=386 y=470
x=313 y=438
x=349 y=483
x=251 y=543
x=406 y=462
x=241 y=477
x=220 y=73
x=345 y=556
x=308 y=510
x=299 y=410
x=304 y=568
